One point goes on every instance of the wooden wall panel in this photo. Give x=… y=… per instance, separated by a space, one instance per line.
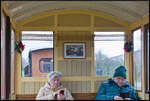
x=74 y=35
x=77 y=86
x=37 y=87
x=75 y=67
x=44 y=22
x=30 y=87
x=83 y=69
x=83 y=87
x=23 y=88
x=101 y=22
x=97 y=85
x=88 y=48
x=69 y=70
x=73 y=20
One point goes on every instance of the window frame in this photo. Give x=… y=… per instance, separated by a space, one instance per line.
x=146 y=27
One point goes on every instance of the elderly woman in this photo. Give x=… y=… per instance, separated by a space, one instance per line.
x=53 y=90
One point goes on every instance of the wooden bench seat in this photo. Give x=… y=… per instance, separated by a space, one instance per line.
x=76 y=96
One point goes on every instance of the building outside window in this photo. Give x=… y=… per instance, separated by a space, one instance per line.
x=38 y=45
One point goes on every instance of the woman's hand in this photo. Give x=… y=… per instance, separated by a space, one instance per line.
x=60 y=97
x=127 y=98
x=55 y=95
x=118 y=98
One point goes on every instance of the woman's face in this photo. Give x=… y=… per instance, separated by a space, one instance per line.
x=55 y=82
x=119 y=80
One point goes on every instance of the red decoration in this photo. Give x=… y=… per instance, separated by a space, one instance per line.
x=62 y=92
x=19 y=46
x=126 y=49
x=128 y=46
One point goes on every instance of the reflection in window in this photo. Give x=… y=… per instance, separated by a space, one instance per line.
x=46 y=65
x=137 y=58
x=108 y=51
x=38 y=44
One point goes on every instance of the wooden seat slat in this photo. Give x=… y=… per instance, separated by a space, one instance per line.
x=77 y=96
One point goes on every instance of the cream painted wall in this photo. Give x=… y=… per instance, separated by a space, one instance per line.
x=71 y=26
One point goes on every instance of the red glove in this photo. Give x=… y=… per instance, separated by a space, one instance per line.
x=62 y=92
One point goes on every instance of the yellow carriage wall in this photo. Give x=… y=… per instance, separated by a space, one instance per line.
x=74 y=26
x=69 y=26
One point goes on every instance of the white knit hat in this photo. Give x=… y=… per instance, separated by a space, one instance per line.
x=52 y=74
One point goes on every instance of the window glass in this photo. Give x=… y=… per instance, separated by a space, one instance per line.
x=38 y=45
x=108 y=51
x=46 y=65
x=137 y=58
x=13 y=60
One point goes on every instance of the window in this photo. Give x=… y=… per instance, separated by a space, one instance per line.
x=46 y=65
x=3 y=57
x=146 y=28
x=137 y=59
x=38 y=45
x=108 y=51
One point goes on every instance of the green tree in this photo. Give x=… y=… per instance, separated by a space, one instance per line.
x=106 y=64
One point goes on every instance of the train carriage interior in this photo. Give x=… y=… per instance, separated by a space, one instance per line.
x=84 y=40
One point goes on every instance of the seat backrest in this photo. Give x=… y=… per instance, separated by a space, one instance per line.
x=76 y=96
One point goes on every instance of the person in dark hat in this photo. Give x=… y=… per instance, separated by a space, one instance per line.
x=117 y=88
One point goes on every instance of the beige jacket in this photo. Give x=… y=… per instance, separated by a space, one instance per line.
x=46 y=93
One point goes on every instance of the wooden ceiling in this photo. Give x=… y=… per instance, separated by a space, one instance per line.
x=128 y=11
